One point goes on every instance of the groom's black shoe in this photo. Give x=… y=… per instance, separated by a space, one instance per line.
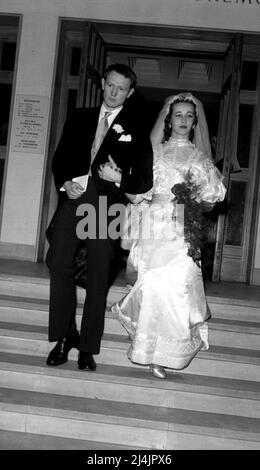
x=59 y=354
x=86 y=361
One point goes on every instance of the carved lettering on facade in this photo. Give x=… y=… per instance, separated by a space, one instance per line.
x=234 y=2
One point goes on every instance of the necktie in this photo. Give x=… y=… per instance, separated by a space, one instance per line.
x=101 y=131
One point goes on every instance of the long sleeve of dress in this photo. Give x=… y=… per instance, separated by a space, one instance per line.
x=207 y=178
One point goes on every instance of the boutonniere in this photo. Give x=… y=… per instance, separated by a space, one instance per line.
x=119 y=129
x=125 y=138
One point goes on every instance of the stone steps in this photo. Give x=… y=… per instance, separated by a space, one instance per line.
x=38 y=288
x=222 y=361
x=20 y=441
x=212 y=404
x=181 y=390
x=226 y=332
x=81 y=413
x=35 y=289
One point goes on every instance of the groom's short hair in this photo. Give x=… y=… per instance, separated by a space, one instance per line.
x=122 y=69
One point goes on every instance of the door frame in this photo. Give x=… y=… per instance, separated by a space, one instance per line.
x=192 y=39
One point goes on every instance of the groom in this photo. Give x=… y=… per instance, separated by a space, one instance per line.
x=110 y=147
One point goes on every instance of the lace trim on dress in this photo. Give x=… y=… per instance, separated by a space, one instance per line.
x=176 y=353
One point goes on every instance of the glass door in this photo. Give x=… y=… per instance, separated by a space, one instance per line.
x=237 y=156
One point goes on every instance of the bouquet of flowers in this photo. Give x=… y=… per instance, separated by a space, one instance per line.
x=195 y=225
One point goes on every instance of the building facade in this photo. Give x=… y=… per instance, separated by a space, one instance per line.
x=52 y=54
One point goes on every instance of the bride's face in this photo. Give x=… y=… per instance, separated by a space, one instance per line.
x=182 y=120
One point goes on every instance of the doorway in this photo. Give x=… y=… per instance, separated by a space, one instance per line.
x=167 y=61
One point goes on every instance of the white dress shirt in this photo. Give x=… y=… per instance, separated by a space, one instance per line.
x=112 y=116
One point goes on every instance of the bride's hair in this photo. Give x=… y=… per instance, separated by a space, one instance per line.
x=167 y=121
x=200 y=127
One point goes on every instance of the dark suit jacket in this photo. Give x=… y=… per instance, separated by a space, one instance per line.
x=130 y=148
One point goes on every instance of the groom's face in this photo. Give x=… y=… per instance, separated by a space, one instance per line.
x=116 y=89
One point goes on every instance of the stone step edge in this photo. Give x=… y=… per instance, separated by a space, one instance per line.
x=138 y=379
x=80 y=415
x=127 y=423
x=24 y=279
x=18 y=440
x=237 y=337
x=148 y=413
x=119 y=342
x=119 y=288
x=9 y=301
x=216 y=324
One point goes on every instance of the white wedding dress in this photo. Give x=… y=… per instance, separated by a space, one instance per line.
x=166 y=309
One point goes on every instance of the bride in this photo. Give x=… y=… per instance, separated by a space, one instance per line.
x=165 y=312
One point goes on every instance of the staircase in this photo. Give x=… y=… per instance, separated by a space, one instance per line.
x=213 y=404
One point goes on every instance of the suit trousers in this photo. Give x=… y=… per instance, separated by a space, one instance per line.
x=63 y=302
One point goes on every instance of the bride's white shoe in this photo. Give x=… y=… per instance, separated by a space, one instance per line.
x=115 y=308
x=158 y=371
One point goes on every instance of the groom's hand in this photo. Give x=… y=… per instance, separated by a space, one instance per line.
x=73 y=189
x=109 y=171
